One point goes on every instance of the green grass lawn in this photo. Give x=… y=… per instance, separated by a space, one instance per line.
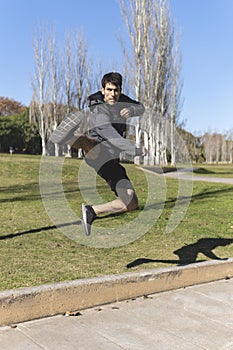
x=34 y=251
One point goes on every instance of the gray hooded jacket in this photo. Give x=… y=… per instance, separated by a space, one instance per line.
x=108 y=127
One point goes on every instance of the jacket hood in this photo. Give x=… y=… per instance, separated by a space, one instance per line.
x=95 y=99
x=98 y=98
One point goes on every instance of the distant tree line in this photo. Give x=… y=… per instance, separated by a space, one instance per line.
x=218 y=147
x=210 y=147
x=16 y=131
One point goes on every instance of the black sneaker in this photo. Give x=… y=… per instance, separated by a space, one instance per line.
x=89 y=216
x=65 y=130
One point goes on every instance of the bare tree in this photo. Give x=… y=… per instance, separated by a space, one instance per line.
x=55 y=83
x=218 y=142
x=212 y=147
x=230 y=146
x=208 y=147
x=77 y=72
x=224 y=149
x=83 y=77
x=175 y=99
x=61 y=81
x=132 y=11
x=157 y=80
x=68 y=73
x=38 y=107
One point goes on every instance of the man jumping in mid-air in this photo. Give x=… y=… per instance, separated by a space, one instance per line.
x=103 y=144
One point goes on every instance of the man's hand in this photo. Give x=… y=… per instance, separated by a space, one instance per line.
x=125 y=113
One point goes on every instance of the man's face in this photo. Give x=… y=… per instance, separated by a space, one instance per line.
x=111 y=93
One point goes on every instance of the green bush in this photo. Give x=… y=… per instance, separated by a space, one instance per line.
x=17 y=132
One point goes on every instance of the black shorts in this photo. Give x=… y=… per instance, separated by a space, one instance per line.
x=112 y=172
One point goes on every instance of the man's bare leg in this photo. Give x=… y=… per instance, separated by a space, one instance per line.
x=127 y=202
x=89 y=145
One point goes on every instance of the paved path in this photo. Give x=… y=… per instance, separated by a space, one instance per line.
x=186 y=174
x=194 y=318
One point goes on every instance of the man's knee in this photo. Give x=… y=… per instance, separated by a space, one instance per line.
x=89 y=145
x=133 y=204
x=128 y=197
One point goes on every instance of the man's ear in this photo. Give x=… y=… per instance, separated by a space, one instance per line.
x=102 y=90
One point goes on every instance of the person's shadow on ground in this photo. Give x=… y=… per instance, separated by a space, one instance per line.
x=188 y=253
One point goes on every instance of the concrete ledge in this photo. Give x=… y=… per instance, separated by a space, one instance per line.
x=52 y=299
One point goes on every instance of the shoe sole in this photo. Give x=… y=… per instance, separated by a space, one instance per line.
x=66 y=128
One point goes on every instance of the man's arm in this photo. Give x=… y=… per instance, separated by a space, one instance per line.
x=135 y=108
x=108 y=133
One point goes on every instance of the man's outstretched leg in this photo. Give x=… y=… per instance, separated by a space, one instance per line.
x=114 y=174
x=127 y=201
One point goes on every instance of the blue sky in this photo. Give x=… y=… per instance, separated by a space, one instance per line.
x=206 y=32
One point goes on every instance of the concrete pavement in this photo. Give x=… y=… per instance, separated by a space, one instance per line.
x=25 y=304
x=187 y=174
x=191 y=318
x=183 y=176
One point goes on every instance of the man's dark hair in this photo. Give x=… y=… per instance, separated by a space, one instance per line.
x=113 y=78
